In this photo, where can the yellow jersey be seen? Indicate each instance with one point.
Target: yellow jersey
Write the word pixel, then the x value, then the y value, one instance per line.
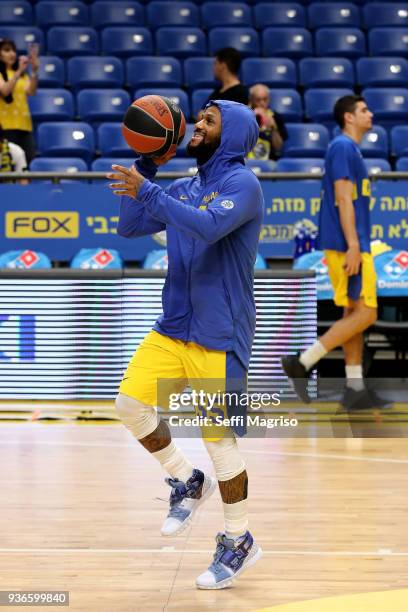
pixel 16 116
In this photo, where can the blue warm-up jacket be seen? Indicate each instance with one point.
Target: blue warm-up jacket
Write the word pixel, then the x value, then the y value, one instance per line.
pixel 212 222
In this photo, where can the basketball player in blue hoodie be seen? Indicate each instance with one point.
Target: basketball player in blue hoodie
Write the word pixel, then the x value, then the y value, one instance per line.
pixel 206 330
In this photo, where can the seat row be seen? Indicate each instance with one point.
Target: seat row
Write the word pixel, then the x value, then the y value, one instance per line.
pixel 156 14
pixel 389 105
pixel 197 72
pixel 72 165
pixel 183 42
pixel 79 139
pixel 249 2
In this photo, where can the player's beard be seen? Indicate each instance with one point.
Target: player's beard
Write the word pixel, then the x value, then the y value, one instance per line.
pixel 203 151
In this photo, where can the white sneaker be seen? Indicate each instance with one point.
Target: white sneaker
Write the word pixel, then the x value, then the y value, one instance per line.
pixel 231 558
pixel 185 498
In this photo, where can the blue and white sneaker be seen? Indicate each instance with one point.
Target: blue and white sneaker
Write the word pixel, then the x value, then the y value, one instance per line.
pixel 231 558
pixel 185 498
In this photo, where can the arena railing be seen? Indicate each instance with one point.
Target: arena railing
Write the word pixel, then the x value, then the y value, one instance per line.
pixel 277 176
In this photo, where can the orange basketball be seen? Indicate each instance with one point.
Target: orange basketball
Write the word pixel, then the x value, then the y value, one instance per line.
pixel 153 125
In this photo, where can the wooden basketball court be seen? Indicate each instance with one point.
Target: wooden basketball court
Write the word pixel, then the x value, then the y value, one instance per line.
pixel 80 512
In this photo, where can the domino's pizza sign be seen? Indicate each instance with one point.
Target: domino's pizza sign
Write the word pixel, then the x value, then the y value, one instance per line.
pixel 392 273
pixel 97 259
pixel 24 260
pixel 316 261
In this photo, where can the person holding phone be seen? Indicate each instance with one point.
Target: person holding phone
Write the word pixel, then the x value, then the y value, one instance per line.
pixel 15 86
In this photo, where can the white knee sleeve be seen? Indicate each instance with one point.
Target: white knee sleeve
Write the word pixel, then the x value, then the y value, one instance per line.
pixel 140 419
pixel 225 456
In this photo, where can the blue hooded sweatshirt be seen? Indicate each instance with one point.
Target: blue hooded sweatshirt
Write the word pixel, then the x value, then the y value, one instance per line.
pixel 213 221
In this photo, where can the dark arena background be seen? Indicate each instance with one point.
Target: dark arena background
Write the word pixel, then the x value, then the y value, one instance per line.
pixel 82 502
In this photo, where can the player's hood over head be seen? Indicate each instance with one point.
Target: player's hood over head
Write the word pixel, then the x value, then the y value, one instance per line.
pixel 239 134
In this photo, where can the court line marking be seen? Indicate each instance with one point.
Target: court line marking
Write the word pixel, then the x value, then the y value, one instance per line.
pixel 245 451
pixel 172 550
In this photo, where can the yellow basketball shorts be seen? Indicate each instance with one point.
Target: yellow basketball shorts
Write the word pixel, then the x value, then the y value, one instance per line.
pixel 360 286
pixel 162 367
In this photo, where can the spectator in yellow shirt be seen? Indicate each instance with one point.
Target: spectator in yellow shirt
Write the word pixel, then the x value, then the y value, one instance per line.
pixel 15 86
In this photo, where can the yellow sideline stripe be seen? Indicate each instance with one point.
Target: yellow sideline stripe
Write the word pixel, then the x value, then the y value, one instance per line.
pixel 397 601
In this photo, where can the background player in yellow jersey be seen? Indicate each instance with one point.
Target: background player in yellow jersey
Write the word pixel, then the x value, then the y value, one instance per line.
pixel 344 235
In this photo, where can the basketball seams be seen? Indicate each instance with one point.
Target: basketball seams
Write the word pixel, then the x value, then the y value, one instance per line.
pixel 144 143
pixel 131 116
pixel 143 125
pixel 154 117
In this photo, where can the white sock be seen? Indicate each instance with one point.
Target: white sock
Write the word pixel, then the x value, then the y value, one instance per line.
pixel 236 519
pixel 312 355
pixel 354 375
pixel 174 462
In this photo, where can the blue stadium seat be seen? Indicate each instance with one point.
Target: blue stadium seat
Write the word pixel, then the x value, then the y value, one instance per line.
pixel 289 14
pixel 68 13
pixel 340 42
pixel 15 12
pixel 260 165
pixel 287 42
pixel 389 105
pixel 174 13
pixel 104 164
pixel 301 164
pixel 256 2
pixel 67 41
pixel 306 140
pixel 182 147
pixel 274 72
pixel 221 14
pixel 102 104
pixel 181 164
pixel 326 72
pixel 58 164
pixel 66 139
pixel 385 14
pixel 23 36
pixel 153 72
pixel 52 72
pixel 181 42
pixel 376 165
pixel 399 140
pixel 95 71
pixel 125 41
pixel 341 14
pixel 117 13
pixel 111 142
pixel 375 142
pixel 198 72
pixel 178 96
pixel 382 72
pixel 319 103
pixel 287 102
pixel 198 99
pixel 402 164
pixel 245 40
pixel 52 105
pixel 388 41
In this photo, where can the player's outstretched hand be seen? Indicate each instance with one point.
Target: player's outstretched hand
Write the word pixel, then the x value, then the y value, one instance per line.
pixel 129 181
pixel 353 260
